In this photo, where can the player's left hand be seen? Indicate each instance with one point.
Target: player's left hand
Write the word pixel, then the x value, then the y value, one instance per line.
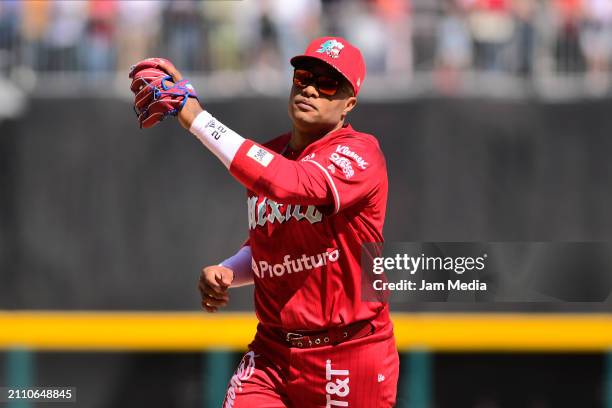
pixel 160 91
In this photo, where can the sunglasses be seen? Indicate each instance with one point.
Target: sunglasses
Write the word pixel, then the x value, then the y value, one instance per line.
pixel 325 84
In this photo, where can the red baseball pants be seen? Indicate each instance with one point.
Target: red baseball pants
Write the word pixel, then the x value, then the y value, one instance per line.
pixel 360 373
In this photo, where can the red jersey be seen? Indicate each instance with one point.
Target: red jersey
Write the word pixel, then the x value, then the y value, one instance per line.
pixel 309 213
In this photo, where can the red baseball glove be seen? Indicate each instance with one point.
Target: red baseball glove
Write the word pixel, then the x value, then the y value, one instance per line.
pixel 157 95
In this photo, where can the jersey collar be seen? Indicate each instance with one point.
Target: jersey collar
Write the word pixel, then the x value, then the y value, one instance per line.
pixel 346 129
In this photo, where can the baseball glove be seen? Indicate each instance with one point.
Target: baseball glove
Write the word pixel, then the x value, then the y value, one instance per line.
pixel 156 93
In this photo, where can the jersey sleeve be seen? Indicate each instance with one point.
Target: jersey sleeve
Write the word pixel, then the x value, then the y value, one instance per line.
pixel 337 175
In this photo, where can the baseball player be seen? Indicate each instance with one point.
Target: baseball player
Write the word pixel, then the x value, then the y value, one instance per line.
pixel 314 196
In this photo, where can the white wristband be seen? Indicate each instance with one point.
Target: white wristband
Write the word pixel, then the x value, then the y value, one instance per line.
pixel 240 264
pixel 218 138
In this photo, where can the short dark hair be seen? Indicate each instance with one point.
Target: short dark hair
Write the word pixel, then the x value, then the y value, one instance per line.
pixel 350 86
pixel 346 84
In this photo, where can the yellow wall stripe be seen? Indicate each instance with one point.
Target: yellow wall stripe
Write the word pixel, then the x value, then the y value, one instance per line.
pixel 185 331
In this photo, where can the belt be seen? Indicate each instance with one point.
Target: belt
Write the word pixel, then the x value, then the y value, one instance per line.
pixel 332 336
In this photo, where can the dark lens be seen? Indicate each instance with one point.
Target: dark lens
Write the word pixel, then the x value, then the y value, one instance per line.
pixel 302 78
pixel 327 85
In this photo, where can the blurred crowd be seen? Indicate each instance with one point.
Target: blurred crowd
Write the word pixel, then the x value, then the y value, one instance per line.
pixel 398 37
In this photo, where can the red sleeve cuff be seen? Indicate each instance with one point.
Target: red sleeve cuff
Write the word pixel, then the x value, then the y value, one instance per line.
pixel 250 163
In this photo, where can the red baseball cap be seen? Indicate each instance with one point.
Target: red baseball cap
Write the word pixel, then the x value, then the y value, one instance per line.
pixel 341 55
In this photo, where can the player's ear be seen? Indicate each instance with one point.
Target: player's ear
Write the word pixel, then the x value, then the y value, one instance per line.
pixel 349 105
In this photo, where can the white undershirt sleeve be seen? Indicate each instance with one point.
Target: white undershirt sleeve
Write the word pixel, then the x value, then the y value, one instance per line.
pixel 222 141
pixel 240 264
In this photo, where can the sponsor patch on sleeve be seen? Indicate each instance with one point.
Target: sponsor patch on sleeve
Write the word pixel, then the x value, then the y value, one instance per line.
pixel 260 155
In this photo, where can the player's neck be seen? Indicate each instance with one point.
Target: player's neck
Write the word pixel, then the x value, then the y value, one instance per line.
pixel 301 138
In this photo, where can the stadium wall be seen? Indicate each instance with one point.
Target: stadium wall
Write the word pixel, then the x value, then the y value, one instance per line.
pixel 97 214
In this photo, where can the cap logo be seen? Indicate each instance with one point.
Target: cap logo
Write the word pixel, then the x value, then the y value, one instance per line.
pixel 331 47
